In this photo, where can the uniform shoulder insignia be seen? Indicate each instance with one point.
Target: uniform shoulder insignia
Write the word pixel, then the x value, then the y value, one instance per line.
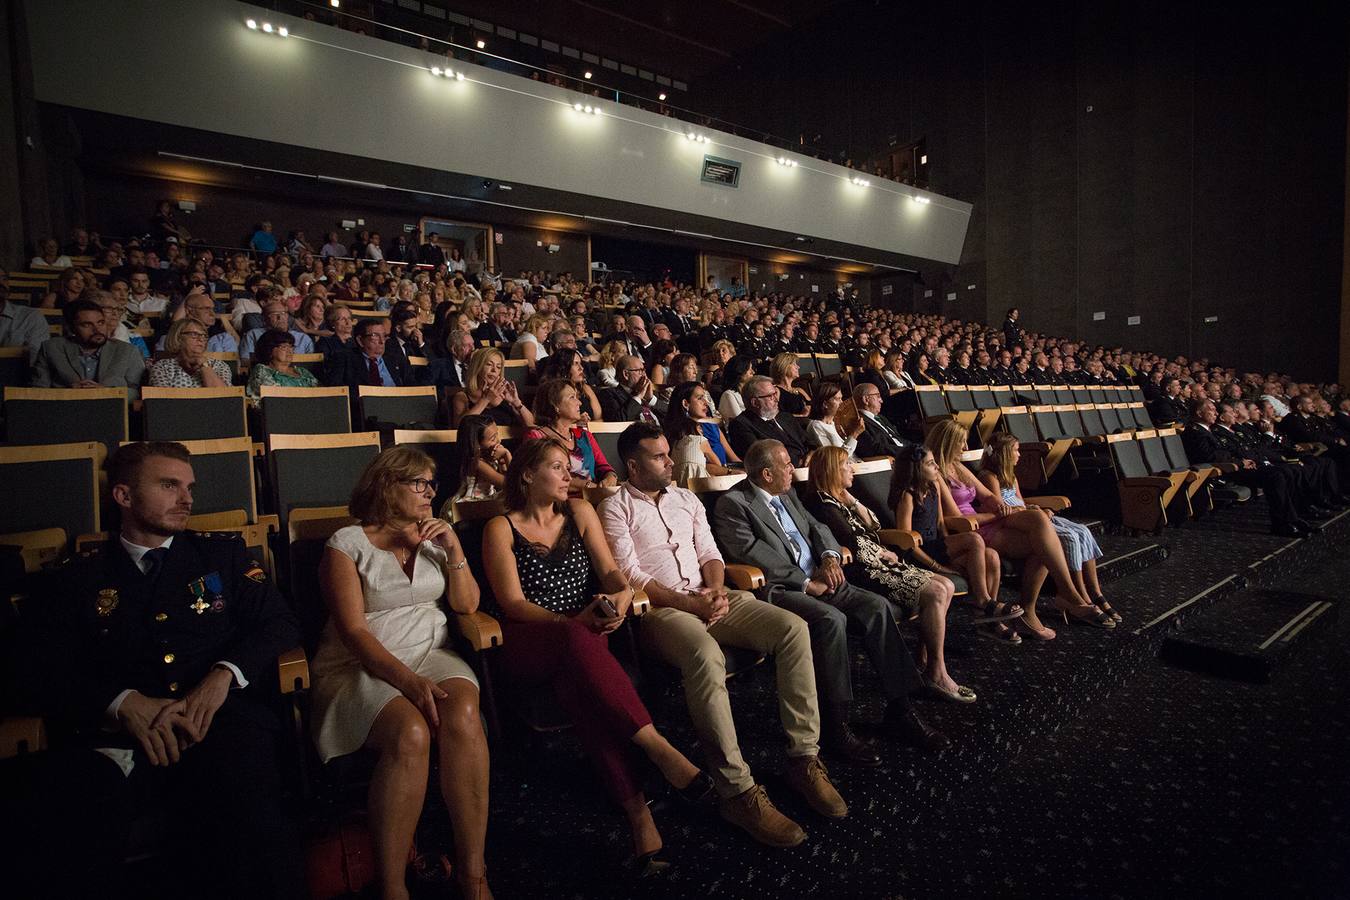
pixel 92 551
pixel 219 535
pixel 254 571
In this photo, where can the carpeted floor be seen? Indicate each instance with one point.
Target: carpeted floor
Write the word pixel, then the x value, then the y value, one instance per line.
pixel 1088 768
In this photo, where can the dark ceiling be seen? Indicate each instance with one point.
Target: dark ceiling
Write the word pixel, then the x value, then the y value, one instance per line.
pixel 685 40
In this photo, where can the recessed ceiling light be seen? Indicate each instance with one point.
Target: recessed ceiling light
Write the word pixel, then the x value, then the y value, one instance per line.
pixel 482 44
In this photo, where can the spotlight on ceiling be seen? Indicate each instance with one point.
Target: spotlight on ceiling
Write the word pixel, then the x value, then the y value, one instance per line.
pixel 661 96
pixel 267 27
pixel 284 31
pixel 860 181
pixel 586 109
pixel 923 200
pixel 481 44
pixel 785 162
pixel 690 136
pixel 587 76
pixel 335 3
pixel 437 71
pixel 252 24
pixel 459 76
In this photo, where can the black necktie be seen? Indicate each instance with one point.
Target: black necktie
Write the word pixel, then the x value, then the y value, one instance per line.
pixel 154 562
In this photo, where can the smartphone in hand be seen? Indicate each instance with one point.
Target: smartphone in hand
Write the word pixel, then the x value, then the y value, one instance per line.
pixel 605 609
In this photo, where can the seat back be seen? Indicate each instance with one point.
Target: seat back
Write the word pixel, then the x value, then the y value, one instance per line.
pixel 1069 423
pixel 442 445
pixel 1110 418
pixel 311 362
pixel 1063 395
pixel 1003 396
pixel 959 398
pixel 1127 456
pixel 13 366
pixel 396 405
pixel 1047 423
pixel 194 414
pixel 829 365
pixel 1044 394
pixel 1176 449
pixel 1133 394
pixel 312 470
pixel 711 488
pixel 932 402
pixel 1018 422
pixel 1136 413
pixel 983 397
pixel 516 371
pixel 1081 394
pixel 607 437
pixel 1098 395
pixel 806 363
pixel 872 487
pixel 62 415
pixel 51 486
pixel 1092 420
pixel 296 410
pixel 1155 455
pixel 223 471
pixel 308 530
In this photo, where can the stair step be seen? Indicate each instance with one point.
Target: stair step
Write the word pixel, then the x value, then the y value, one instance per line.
pixel 1251 635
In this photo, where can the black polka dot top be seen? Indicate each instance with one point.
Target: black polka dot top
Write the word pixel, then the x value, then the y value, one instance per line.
pixel 560 580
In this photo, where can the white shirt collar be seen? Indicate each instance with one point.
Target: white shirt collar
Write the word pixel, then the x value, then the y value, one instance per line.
pixel 137 552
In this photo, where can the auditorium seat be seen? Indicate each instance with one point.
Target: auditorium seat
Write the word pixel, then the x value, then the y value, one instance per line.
pixel 1144 497
pixel 309 470
pixel 386 407
pixel 297 410
pixel 13 366
pixel 442 446
pixel 51 486
pixel 62 415
pixel 311 362
pixel 607 437
pixel 193 414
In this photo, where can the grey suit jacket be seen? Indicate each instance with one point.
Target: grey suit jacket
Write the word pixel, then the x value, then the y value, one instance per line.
pixel 748 532
pixel 119 365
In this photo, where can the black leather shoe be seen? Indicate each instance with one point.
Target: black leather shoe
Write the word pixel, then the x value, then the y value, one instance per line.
pixel 904 723
pixel 1289 531
pixel 840 743
pixel 1318 512
pixel 1309 527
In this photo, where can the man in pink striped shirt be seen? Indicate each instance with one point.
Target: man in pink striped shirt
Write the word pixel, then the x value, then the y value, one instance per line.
pixel 661 541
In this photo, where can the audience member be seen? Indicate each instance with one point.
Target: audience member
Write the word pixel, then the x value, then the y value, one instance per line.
pixel 735 374
pixel 763 420
pixel 487 392
pixel 273 365
pixel 20 326
pixel 483 461
pixel 634 398
pixel 823 430
pixel 557 417
pixel 366 362
pixel 880 436
pixel 696 443
pixel 189 366
pixel 276 317
pixel 85 358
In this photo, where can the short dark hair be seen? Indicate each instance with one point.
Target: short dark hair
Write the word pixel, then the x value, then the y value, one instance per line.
pixel 546 399
pixel 124 466
pixel 365 323
pixel 75 307
pixel 268 341
pixel 402 315
pixel 630 440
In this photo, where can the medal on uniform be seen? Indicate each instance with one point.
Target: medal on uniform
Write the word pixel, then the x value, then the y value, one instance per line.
pixel 107 602
pixel 215 592
pixel 198 589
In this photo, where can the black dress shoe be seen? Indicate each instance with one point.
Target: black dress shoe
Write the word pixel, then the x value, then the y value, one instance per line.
pixel 840 743
pixel 1318 512
pixel 1289 531
pixel 1309 527
pixel 904 723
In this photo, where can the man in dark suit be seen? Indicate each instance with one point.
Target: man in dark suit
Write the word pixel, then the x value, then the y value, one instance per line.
pixel 762 420
pixel 154 657
pixel 1303 426
pixel 85 358
pixel 1168 407
pixel 683 327
pixel 431 253
pixel 639 344
pixel 634 399
pixel 367 362
pixel 1204 445
pixel 1012 331
pixel 451 370
pixel 497 330
pixel 761 522
pixel 880 436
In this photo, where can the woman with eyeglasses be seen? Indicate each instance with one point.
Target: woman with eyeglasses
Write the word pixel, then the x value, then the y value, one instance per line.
pixel 385 677
pixel 189 366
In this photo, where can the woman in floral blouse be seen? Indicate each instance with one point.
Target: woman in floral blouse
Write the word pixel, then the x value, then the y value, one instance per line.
pixel 272 365
pixel 189 365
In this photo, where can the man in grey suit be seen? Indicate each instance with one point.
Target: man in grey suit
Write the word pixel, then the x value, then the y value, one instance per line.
pixel 761 522
pixel 85 358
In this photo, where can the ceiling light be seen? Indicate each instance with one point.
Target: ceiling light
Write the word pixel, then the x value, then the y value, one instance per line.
pixel 588 73
pixel 284 31
pixel 590 109
pixel 860 181
pixel 923 160
pixel 252 23
pixel 482 44
pixel 335 3
pixel 689 135
pixel 785 162
pixel 661 96
pixel 267 27
pixel 459 76
pixel 577 107
pixel 436 70
pixel 924 200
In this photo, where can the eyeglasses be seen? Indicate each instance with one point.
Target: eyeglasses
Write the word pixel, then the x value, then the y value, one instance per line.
pixel 768 396
pixel 421 485
pixel 198 335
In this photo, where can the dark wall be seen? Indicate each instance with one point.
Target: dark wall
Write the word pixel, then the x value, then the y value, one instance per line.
pixel 1171 161
pixel 518 250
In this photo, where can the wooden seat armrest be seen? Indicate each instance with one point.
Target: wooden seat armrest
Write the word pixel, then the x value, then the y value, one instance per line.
pixel 1094 439
pixel 1055 502
pixel 642 604
pixel 960 524
pixel 22 734
pixel 1226 468
pixel 1147 481
pixel 271 522
pixel 1034 446
pixel 481 630
pixel 743 577
pixel 898 538
pixel 293 670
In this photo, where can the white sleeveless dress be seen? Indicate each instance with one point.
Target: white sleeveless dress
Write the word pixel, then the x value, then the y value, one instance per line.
pixel 406 617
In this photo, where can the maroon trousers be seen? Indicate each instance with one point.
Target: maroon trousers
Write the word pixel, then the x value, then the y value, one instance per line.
pixel 591 686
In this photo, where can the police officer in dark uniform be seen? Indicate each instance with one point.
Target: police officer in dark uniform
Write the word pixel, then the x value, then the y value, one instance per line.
pixel 153 656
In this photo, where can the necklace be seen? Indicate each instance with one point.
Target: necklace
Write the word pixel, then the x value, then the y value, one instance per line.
pixel 570 440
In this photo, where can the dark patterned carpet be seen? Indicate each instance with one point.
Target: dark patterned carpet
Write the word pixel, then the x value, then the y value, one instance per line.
pixel 1088 768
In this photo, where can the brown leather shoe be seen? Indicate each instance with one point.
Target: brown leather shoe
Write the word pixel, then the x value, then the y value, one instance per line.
pixel 756 814
pixel 808 777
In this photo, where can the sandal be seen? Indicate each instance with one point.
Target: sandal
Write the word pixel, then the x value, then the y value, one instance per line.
pixel 1085 615
pixel 993 611
pixel 648 865
pixel 700 791
pixel 999 632
pixel 1100 602
pixel 1043 634
pixel 962 694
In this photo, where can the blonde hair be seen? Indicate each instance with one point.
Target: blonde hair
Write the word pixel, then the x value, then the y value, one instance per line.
pixel 876 362
pixel 611 353
pixel 173 341
pixel 780 366
pixel 473 375
pixel 372 500
pixel 536 320
pixel 998 459
pixel 825 468
pixel 946 439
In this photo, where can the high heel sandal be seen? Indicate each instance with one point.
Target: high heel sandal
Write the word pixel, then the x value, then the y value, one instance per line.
pixel 1044 634
pixel 648 865
pixel 1099 601
pixel 700 791
pixel 1087 614
pixel 993 610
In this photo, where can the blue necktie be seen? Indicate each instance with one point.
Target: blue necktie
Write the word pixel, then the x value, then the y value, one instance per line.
pixel 804 561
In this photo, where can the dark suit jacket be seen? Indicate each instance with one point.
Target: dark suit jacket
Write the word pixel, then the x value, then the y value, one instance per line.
pixel 1165 409
pixel 1012 333
pixel 1202 446
pixel 876 441
pixel 618 405
pixel 119 365
pixel 432 256
pixel 488 332
pixel 1304 429
pixel 101 614
pixel 749 532
pixel 351 369
pixel 748 427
